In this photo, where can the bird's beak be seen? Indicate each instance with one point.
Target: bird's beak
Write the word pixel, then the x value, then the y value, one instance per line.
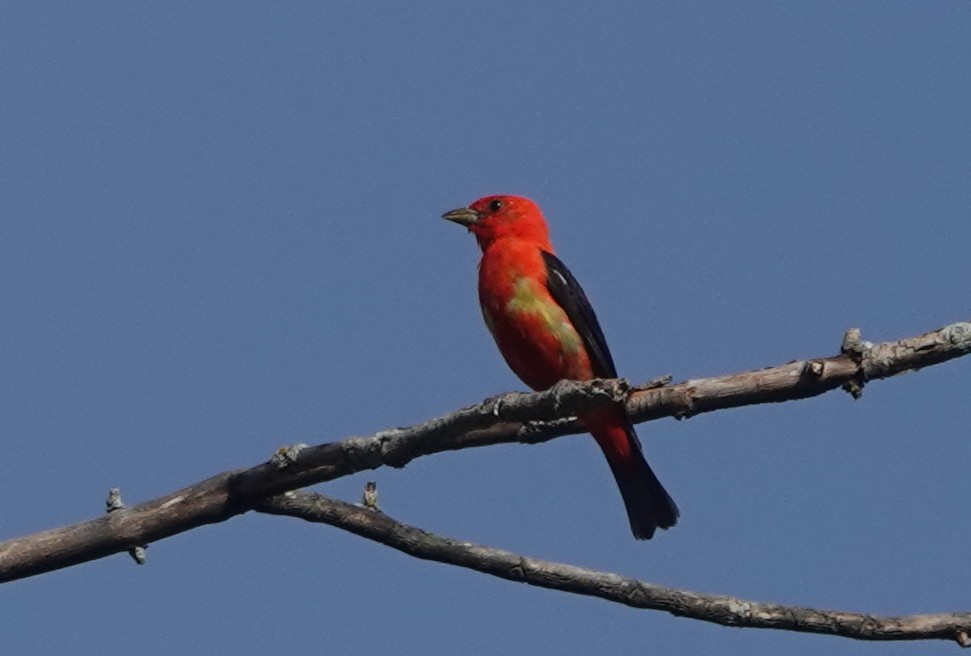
pixel 464 216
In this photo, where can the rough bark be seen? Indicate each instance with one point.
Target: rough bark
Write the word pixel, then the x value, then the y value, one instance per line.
pixel 717 609
pixel 525 418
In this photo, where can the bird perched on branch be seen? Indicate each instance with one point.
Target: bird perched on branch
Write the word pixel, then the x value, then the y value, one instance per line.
pixel 547 331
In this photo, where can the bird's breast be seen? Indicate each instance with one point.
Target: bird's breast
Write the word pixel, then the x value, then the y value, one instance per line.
pixel 532 331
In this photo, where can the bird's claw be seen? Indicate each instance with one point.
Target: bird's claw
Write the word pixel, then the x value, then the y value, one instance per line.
pixel 559 390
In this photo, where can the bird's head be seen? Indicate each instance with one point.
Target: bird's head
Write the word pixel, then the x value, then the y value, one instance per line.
pixel 500 217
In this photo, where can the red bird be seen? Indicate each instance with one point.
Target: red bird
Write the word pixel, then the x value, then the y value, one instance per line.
pixel 547 332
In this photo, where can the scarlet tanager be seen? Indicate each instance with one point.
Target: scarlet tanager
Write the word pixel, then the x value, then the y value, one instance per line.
pixel 547 332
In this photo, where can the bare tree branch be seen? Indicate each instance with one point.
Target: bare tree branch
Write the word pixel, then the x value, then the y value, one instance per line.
pixel 526 418
pixel 718 609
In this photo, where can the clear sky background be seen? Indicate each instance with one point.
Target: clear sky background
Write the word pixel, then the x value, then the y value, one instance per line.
pixel 220 234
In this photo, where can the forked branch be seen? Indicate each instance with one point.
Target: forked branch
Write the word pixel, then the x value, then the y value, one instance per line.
pixel 526 418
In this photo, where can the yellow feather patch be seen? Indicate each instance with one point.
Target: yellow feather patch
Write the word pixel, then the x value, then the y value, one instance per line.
pixel 529 298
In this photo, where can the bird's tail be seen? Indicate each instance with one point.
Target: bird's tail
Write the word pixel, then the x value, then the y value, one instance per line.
pixel 649 506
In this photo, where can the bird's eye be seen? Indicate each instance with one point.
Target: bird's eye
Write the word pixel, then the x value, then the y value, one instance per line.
pixel 495 205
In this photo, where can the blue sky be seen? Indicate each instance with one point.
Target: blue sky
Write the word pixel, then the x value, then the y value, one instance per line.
pixel 219 234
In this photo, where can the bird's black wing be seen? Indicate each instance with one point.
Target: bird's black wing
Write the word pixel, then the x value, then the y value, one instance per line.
pixel 649 506
pixel 566 291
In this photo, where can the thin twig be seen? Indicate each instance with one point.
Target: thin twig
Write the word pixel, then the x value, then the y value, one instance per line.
pixel 718 609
